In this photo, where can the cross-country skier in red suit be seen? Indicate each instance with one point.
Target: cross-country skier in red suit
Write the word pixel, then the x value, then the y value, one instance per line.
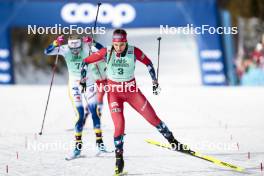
pixel 121 61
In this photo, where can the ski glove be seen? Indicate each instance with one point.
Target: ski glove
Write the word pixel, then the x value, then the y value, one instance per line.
pixel 156 88
pixel 87 39
pixel 83 85
pixel 58 41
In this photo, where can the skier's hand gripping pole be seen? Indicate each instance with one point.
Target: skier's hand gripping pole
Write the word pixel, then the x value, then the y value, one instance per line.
pixel 156 88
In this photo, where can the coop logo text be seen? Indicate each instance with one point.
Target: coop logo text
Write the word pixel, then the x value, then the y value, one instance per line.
pixel 117 15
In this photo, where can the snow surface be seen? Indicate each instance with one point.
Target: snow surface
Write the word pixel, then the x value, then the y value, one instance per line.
pixel 205 118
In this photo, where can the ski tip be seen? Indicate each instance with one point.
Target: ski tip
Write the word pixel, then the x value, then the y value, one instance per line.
pixel 240 169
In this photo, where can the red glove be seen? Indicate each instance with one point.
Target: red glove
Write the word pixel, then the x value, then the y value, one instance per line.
pixel 87 39
pixel 59 41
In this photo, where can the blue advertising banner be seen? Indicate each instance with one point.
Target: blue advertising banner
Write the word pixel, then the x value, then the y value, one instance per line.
pixel 130 14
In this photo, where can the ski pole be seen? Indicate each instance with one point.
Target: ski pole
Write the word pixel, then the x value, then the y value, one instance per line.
pixel 98 6
pixel 95 22
pixel 51 83
pixel 159 38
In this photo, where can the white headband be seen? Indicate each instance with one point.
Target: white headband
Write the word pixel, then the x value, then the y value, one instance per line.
pixel 76 43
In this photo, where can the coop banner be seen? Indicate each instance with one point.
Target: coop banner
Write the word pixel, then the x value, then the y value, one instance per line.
pixel 59 17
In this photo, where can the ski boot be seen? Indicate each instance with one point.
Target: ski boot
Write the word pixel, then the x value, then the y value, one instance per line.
pixel 78 148
pixel 76 152
pixel 175 145
pixel 99 140
pixel 100 145
pixel 119 165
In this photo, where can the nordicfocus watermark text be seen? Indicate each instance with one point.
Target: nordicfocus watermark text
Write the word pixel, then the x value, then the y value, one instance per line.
pixel 198 30
pixel 122 87
pixel 58 29
pixel 38 146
